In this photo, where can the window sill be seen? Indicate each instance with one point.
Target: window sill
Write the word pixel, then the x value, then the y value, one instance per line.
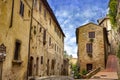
pixel 17 61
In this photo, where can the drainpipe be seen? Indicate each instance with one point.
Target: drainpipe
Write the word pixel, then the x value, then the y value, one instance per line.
pixel 29 40
pixel 12 12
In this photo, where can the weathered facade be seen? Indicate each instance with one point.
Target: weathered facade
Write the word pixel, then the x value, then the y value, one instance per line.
pixel 92 46
pixel 46 42
pixel 65 68
pixel 14 34
pixel 33 39
pixel 112 35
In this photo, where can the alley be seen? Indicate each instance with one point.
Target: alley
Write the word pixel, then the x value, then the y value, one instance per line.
pixel 111 69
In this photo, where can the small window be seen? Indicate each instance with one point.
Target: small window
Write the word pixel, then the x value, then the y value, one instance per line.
pixel 41 59
pixel 44 13
pixel 35 3
pixel 49 41
pixel 17 50
pixel 44 37
pixel 91 34
pixel 40 6
pixel 89 47
pixel 21 11
pixel 50 21
pixel 40 30
pixel 52 64
pixel 28 13
pixel 55 47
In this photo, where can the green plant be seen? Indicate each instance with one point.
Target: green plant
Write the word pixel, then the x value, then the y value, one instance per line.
pixel 75 69
pixel 113 12
pixel 84 72
pixel 91 40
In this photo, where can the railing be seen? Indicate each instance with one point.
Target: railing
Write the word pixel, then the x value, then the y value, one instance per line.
pixel 90 74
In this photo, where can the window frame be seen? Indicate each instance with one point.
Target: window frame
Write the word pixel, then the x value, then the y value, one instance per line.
pixel 89 47
pixel 17 50
pixel 91 34
pixel 21 10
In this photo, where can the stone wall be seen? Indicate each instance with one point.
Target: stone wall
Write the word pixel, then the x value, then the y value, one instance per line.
pixel 97 58
pixel 44 25
pixel 14 28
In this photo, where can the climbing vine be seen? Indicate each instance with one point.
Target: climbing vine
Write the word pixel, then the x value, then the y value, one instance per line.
pixel 113 12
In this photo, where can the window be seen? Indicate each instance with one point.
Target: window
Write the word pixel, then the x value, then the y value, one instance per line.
pixel 49 41
pixel 89 47
pixel 55 47
pixel 52 64
pixel 44 37
pixel 40 5
pixel 28 13
pixel 35 3
pixel 41 59
pixel 50 21
pixel 17 50
pixel 44 13
pixel 40 30
pixel 91 34
pixel 21 12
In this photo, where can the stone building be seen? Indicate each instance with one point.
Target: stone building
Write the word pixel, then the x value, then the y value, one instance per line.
pixel 112 35
pixel 34 45
pixel 14 34
pixel 92 46
pixel 46 42
pixel 65 68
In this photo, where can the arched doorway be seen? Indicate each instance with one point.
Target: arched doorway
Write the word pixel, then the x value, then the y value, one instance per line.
pixel 48 67
pixel 31 66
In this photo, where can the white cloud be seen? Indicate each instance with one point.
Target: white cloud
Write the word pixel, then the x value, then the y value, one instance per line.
pixel 70 17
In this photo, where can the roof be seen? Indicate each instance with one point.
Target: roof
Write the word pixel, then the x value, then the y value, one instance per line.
pixel 52 14
pixel 88 24
pixel 77 31
pixel 102 19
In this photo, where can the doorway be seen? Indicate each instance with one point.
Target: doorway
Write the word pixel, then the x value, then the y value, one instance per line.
pixel 48 67
pixel 31 66
pixel 1 64
pixel 89 67
pixel 37 65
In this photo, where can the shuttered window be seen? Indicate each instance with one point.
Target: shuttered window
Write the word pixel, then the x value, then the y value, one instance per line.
pixel 89 48
pixel 91 34
pixel 44 37
pixel 17 50
pixel 21 12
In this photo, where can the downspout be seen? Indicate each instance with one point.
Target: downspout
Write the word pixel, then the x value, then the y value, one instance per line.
pixel 29 40
pixel 12 12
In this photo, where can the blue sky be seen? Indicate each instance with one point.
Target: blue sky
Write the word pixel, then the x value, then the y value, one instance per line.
pixel 74 13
